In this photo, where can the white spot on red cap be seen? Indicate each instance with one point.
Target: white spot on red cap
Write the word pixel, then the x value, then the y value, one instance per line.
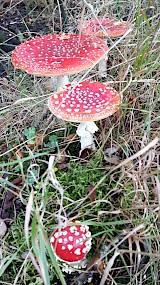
pixel 85 249
pixel 83 228
pixel 73 229
pixel 70 238
pixel 52 239
pixel 70 246
pixel 87 243
pixel 68 110
pixel 56 235
pixel 77 251
pixel 88 234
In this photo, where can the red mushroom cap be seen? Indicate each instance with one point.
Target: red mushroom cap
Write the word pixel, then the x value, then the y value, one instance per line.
pixel 84 101
pixel 101 27
pixel 54 55
pixel 71 243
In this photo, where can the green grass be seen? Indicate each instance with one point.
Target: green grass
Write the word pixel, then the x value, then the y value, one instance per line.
pixel 123 213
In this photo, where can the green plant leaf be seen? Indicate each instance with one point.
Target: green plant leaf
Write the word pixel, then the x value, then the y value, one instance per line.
pixel 30 134
pixel 32 175
pixel 53 143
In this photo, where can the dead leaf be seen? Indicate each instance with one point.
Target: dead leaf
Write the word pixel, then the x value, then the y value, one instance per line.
pixel 85 152
pixel 61 156
pixel 71 137
pixel 96 263
pixel 39 140
pixel 62 160
pixel 3 228
pixel 62 166
pixel 114 159
pixel 11 203
pixel 19 153
pixel 92 193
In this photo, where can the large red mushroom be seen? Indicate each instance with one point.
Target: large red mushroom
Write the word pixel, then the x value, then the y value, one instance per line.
pixel 58 55
pixel 85 102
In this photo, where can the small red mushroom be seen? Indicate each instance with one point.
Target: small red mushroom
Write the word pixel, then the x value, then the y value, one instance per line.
pixel 71 243
pixel 58 55
pixel 85 102
pixel 104 28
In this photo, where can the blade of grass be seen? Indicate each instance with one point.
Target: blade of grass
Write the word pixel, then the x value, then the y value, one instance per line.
pixel 42 257
pixel 55 263
pixel 138 18
pixel 26 229
pixel 40 244
pixel 12 257
pixel 23 159
pixel 52 256
pixel 4 266
pixel 4 181
pixel 108 267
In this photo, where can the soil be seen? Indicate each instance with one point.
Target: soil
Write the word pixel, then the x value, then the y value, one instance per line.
pixel 17 24
pixel 23 20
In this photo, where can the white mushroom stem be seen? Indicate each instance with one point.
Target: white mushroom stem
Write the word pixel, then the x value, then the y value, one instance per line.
pixel 102 67
pixel 62 80
pixel 85 131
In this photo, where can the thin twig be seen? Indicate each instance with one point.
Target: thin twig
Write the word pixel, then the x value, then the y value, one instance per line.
pixel 140 253
pixel 108 267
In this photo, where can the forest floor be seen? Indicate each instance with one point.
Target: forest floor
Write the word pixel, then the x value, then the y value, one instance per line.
pixel 115 190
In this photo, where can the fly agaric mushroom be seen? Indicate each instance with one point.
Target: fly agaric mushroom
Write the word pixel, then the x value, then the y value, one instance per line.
pixel 58 55
pixel 71 243
pixel 85 102
pixel 104 28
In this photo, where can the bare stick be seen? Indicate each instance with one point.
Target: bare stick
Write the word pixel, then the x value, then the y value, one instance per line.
pixel 108 267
